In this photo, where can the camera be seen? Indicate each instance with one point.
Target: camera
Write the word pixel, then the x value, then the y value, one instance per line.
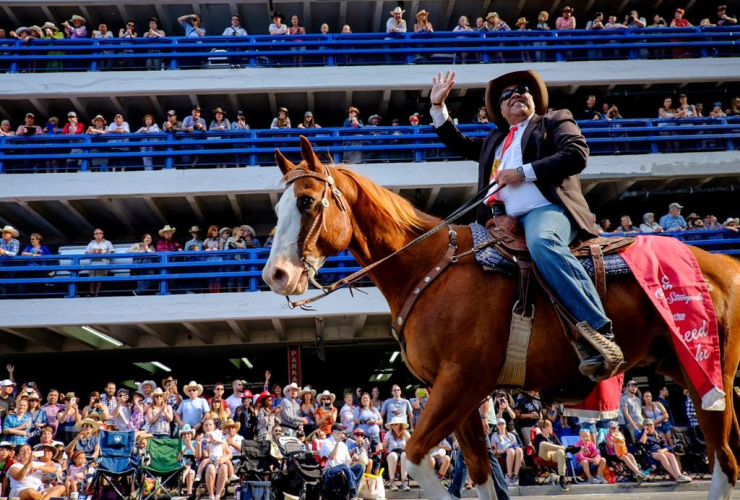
pixel 630 19
pixel 96 401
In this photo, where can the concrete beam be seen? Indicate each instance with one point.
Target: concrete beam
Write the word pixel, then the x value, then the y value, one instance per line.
pixel 121 333
pixel 195 207
pixel 377 16
pixel 152 204
pixel 158 332
pixel 11 15
pixel 279 326
pixel 358 78
pixel 199 331
pixel 386 102
pixel 235 206
pixel 433 195
pixel 36 215
pixel 12 342
pixel 77 215
pixel 37 336
pixel 79 108
pixel 446 18
pixel 342 13
pixel 239 330
pixel 123 218
pixel 358 323
pixel 157 106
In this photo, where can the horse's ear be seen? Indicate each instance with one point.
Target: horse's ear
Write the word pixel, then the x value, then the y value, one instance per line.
pixel 285 164
pixel 309 156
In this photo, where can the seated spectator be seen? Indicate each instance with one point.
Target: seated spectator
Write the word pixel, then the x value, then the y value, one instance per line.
pixel 27 474
pixel 215 456
pixel 717 110
pixel 99 245
pixel 463 24
pixel 548 447
pixel 236 27
pixel 625 226
pixel 29 128
pixel 5 128
pixel 566 21
pixel 86 440
pixel 689 110
pixel 191 24
pixel 9 245
pixel 673 220
pixel 195 243
pixel 396 23
pixel 658 22
pixel 338 460
pixel 194 122
pixel 730 224
pixel 308 121
pixel 616 445
pixel 77 29
pixel 241 122
pixel 588 456
pixel 656 450
pixel 167 244
pixel 528 410
pixel 649 225
pixel 422 24
pixel 505 444
pixel 394 443
pixel 281 120
pixel 481 116
pixel 734 109
pixel 219 122
pixel 149 127
pixel 172 124
pixel 723 19
pixel 597 23
pixel 277 27
pixel 440 458
pixel 250 237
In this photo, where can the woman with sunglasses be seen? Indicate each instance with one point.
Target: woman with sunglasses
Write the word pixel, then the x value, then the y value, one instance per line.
pixel 159 415
pixel 505 444
pixel 657 452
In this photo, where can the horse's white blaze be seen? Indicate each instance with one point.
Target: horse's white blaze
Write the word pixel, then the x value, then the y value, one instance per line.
pixel 720 488
pixel 427 479
pixel 284 254
pixel 486 491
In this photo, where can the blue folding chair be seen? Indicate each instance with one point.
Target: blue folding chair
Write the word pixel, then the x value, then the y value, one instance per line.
pixel 115 472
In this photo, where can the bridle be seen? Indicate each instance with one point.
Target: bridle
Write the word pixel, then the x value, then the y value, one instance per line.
pixel 319 222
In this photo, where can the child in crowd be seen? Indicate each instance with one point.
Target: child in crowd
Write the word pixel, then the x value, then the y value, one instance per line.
pixel 76 475
pixel 187 456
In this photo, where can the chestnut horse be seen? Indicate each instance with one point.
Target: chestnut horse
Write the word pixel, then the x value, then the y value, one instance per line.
pixel 457 332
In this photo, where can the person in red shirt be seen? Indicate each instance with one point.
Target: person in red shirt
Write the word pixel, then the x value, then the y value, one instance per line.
pixel 167 244
pixel 73 126
pixel 5 463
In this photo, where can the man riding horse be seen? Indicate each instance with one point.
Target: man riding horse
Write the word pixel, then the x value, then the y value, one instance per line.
pixel 535 159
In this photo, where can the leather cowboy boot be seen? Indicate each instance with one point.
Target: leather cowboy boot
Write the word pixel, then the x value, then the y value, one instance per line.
pixel 600 357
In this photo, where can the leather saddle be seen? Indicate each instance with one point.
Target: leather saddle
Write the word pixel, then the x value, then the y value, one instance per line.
pixel 507 236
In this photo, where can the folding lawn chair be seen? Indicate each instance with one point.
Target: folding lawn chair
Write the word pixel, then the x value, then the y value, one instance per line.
pixel 114 474
pixel 163 469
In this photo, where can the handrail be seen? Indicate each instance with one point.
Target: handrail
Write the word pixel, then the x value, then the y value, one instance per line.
pixel 178 272
pixel 367 48
pixel 256 147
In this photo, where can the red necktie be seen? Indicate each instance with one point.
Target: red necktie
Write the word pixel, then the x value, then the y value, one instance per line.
pixel 507 142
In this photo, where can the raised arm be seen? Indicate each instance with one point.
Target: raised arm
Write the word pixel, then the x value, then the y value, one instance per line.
pixel 467 147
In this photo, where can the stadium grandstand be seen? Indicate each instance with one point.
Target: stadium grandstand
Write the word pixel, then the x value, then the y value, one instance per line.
pixel 145 131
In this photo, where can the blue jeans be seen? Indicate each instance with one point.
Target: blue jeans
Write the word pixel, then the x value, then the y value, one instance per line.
pixel 354 476
pixel 499 483
pixel 549 230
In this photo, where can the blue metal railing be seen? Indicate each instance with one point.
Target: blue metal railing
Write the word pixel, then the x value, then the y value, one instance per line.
pixel 164 273
pixel 65 153
pixel 174 53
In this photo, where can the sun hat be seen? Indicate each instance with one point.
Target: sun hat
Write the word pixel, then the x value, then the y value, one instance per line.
pixel 195 385
pixel 33 395
pixel 692 216
pixel 290 387
pixel 399 421
pixel 31 115
pixel 224 230
pixel 337 427
pixel 729 221
pixel 648 421
pixel 631 382
pixel 285 110
pixel 305 390
pixel 308 113
pixel 150 383
pixel 397 10
pixel 500 421
pixel 41 446
pixel 230 423
pixel 246 227
pixel 186 429
pixel 326 393
pixel 142 435
pixel 352 108
pixel 22 29
pixel 6 444
pixel 491 14
pixel 422 12
pixel 78 18
pixel 88 421
pixel 167 228
pixel 8 382
pixel 530 78
pixel 263 395
pixel 218 110
pixel 14 232
pixel 172 112
pixel 374 117
pixel 675 205
pixel 158 392
pixel 522 21
pixel 99 117
pixel 49 24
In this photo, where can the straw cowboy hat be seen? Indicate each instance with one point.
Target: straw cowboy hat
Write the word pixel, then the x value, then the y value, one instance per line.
pixel 324 394
pixel 41 446
pixel 422 12
pixel 231 423
pixel 290 387
pixel 49 24
pixel 250 229
pixel 530 78
pixel 218 110
pixel 99 117
pixel 10 229
pixel 397 10
pixel 33 395
pixel 397 420
pixel 158 392
pixel 167 228
pixel 305 390
pixel 87 421
pixel 23 29
pixel 193 384
pixel 150 383
pixel 79 18
pixel 194 229
pixel 142 435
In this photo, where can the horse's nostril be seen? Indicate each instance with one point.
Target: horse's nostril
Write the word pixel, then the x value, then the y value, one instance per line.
pixel 279 275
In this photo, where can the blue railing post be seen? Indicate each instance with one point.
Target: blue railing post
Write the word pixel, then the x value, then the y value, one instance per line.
pixel 72 288
pixel 84 164
pixel 14 64
pixel 330 58
pixel 174 63
pixel 723 121
pixel 169 161
pixel 653 144
pixel 252 147
pixel 2 152
pixel 417 152
pixel 95 55
pixel 163 272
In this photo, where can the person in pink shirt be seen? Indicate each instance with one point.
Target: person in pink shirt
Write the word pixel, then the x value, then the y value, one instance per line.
pixel 588 456
pixel 566 21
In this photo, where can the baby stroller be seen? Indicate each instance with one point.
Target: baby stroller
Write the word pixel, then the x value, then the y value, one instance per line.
pixel 300 474
pixel 255 461
pixel 114 474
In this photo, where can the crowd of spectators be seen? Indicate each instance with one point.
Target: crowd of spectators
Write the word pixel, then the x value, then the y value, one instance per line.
pixel 670 222
pixel 374 431
pixel 192 25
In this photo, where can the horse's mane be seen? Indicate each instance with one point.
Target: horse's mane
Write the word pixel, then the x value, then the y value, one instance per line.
pixel 390 206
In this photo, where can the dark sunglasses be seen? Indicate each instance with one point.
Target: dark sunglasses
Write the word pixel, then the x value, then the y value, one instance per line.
pixel 506 94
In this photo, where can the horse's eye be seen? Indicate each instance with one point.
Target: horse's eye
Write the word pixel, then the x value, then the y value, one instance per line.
pixel 306 202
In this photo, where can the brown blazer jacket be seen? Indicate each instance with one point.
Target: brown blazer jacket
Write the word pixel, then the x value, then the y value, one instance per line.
pixel 555 147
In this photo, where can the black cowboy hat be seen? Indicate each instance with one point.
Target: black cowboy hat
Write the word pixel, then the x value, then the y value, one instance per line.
pixel 530 78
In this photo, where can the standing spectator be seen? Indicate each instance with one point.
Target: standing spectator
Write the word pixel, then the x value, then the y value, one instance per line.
pixel 673 220
pixel 236 27
pixel 611 112
pixel 481 116
pixel 658 22
pixel 192 410
pixel 155 33
pixel 655 411
pixel 144 246
pixel 281 120
pixel 649 225
pixel 29 128
pixel 246 415
pixel 296 29
pixel 7 401
pixel 480 25
pixel 235 400
pixel 308 408
pixel 102 33
pixel 326 412
pixel 277 27
pixel 108 398
pixel 224 235
pixel 68 417
pixel 414 120
pixel 353 121
pixel 324 30
pixel 625 226
pixel 98 126
pixel 159 415
pixel 463 24
pixel 5 129
pixel 121 414
pixel 691 413
pixel 119 126
pixel 723 19
pixel 679 21
pixel 172 124
pixel 9 245
pixel 566 21
pixel 590 112
pixel 52 409
pixel 77 29
pixel 266 416
pixel 528 411
pixel 99 245
pixel 688 110
pixel 290 411
pixel 369 420
pixel 17 424
pixel 347 413
pixel 241 122
pixel 127 33
pixel 397 406
pixel 396 23
pixel 195 243
pixel 194 123
pixel 542 19
pixel 191 24
pixel 167 244
pixel 250 237
pixel 422 23
pixel 734 109
pixel 308 121
pixel 219 122
pixel 631 406
pixel 149 127
pixel 693 220
pixel 597 23
pixel 418 403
